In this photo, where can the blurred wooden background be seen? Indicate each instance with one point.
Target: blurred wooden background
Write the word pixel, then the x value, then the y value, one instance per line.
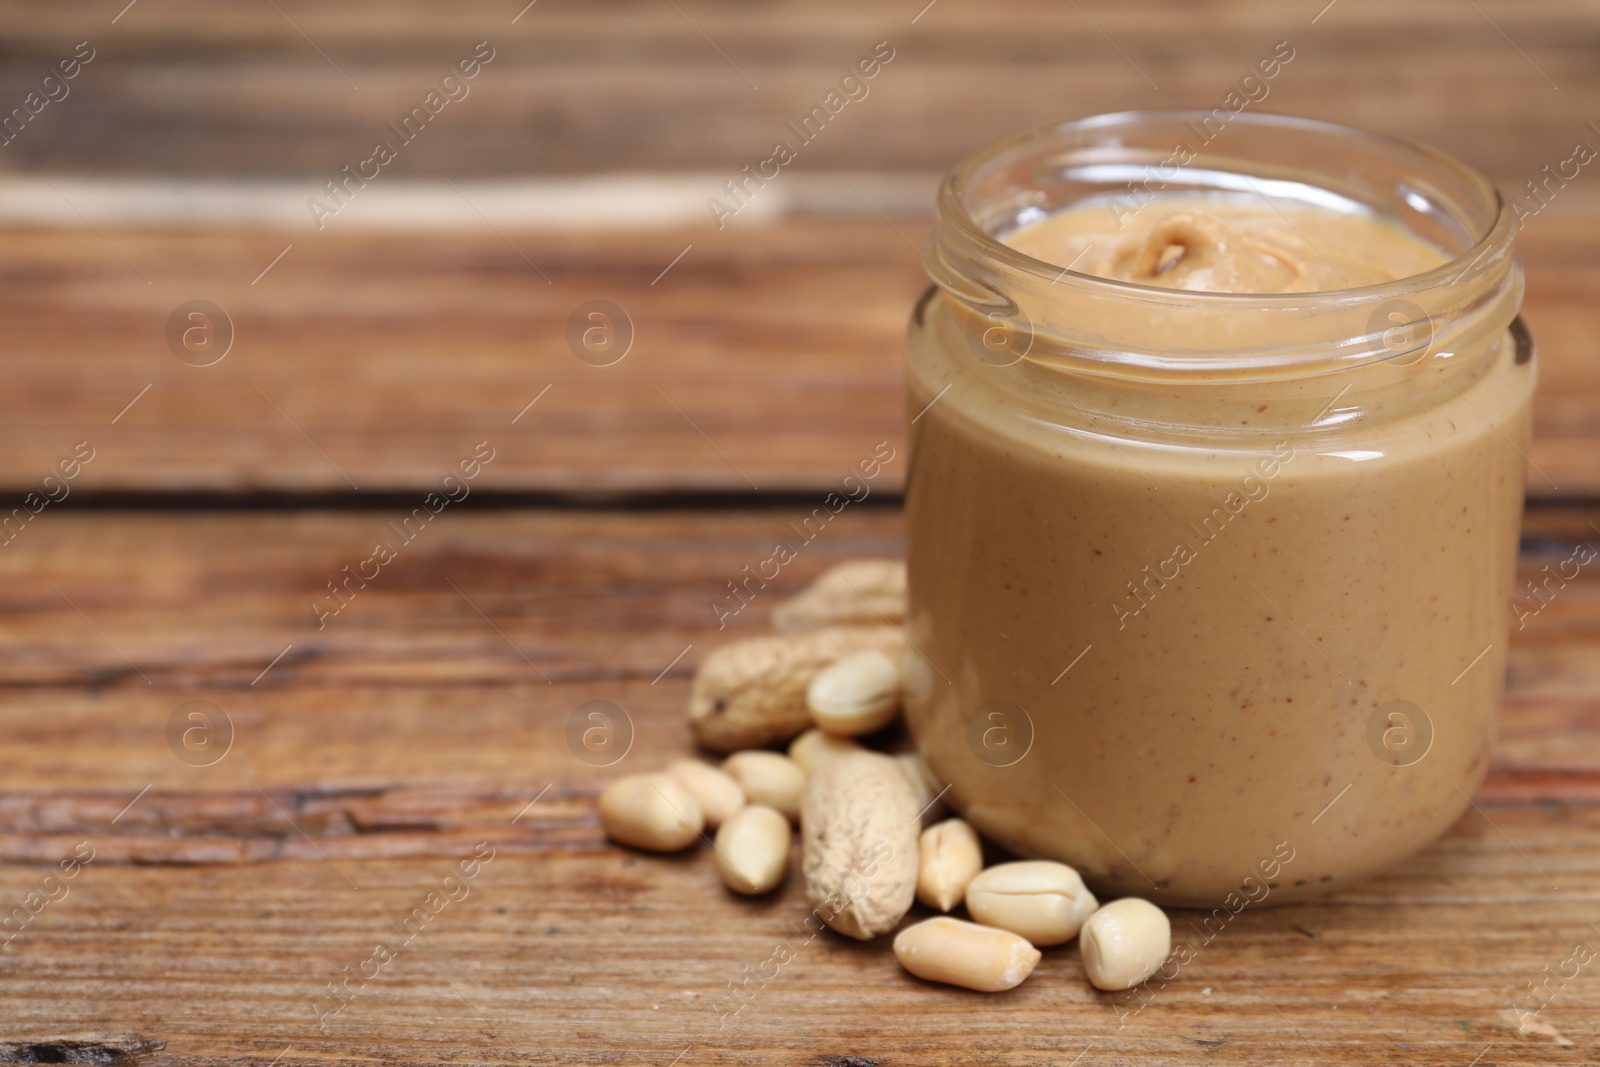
pixel 370 356
pixel 388 343
pixel 184 88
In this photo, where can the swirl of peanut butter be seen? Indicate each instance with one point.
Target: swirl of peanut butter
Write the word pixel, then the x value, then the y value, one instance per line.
pixel 1204 244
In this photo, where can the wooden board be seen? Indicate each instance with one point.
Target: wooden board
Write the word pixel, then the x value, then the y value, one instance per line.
pixel 427 720
pixel 183 87
pixel 380 750
pixel 766 358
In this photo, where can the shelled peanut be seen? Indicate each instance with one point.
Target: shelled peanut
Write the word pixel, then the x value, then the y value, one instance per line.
pixel 855 695
pixel 948 950
pixel 1043 901
pixel 812 749
pixel 651 811
pixel 1124 942
pixel 753 850
pixel 950 857
pixel 718 793
pixel 769 778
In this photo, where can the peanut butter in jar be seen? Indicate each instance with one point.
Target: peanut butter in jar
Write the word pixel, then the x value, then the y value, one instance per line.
pixel 1216 483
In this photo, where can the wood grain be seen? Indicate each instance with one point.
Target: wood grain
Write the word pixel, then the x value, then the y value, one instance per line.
pixel 427 720
pixel 185 87
pixel 767 360
pixel 606 957
pixel 383 749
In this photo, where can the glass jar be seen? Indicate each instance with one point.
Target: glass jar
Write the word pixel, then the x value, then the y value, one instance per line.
pixel 1209 592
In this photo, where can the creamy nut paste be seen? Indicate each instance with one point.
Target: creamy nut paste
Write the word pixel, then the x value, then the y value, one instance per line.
pixel 1200 639
pixel 1224 246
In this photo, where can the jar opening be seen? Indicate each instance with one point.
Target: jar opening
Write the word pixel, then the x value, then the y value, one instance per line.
pixel 1127 160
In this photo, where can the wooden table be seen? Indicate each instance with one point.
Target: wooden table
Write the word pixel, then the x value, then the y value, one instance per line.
pixel 426 721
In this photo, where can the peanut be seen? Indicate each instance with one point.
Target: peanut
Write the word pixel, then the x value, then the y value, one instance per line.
pixel 814 748
pixel 1124 942
pixel 652 811
pixel 856 695
pixel 856 592
pixel 753 850
pixel 751 693
pixel 718 794
pixel 928 789
pixel 960 953
pixel 949 856
pixel 769 778
pixel 1041 900
pixel 858 825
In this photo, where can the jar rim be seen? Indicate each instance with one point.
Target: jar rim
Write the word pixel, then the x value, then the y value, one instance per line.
pixel 1047 314
pixel 953 209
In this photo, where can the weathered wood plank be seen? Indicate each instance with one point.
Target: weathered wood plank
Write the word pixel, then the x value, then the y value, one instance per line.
pixel 482 597
pixel 761 359
pixel 607 957
pixel 193 88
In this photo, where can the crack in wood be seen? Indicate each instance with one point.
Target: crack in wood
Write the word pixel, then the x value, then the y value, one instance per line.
pixel 97 1052
pixel 244 826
